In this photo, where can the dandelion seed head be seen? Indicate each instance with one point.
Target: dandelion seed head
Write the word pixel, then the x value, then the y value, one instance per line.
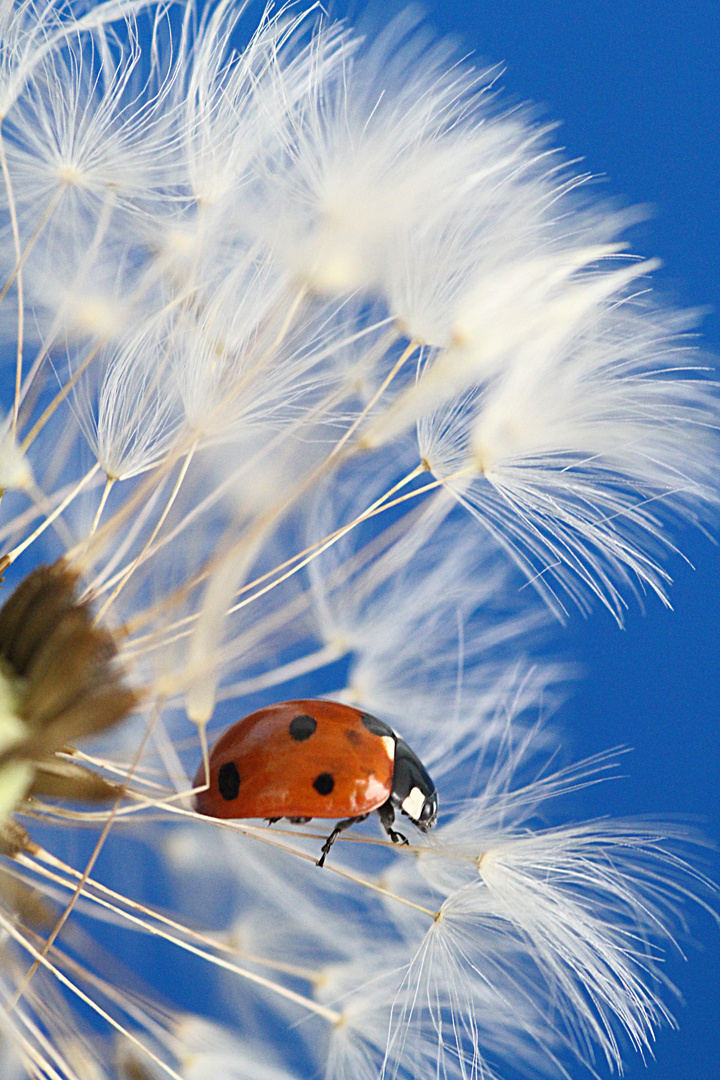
pixel 15 469
pixel 69 175
pixel 94 316
pixel 317 352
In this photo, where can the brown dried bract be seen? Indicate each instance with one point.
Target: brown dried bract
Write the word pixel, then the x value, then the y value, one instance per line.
pixel 71 685
pixel 129 1068
pixel 58 778
pixel 26 903
pixel 14 839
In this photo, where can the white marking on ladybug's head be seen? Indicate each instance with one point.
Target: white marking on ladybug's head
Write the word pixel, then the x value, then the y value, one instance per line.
pixel 389 744
pixel 413 803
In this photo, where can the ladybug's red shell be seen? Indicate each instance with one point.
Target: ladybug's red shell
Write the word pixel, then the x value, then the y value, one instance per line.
pixel 299 759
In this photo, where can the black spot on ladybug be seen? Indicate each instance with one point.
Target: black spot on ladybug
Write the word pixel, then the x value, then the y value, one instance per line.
pixel 324 783
pixel 375 726
pixel 302 727
pixel 353 736
pixel 228 781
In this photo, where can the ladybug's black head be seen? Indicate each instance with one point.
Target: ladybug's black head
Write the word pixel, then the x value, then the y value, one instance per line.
pixel 428 814
pixel 413 792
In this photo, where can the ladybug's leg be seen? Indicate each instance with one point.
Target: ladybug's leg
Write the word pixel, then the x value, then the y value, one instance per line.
pixel 340 827
pixel 386 813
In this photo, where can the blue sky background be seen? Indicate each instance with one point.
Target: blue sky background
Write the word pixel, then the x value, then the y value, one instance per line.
pixel 637 88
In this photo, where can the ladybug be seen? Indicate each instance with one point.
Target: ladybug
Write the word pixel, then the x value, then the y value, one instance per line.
pixel 316 759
